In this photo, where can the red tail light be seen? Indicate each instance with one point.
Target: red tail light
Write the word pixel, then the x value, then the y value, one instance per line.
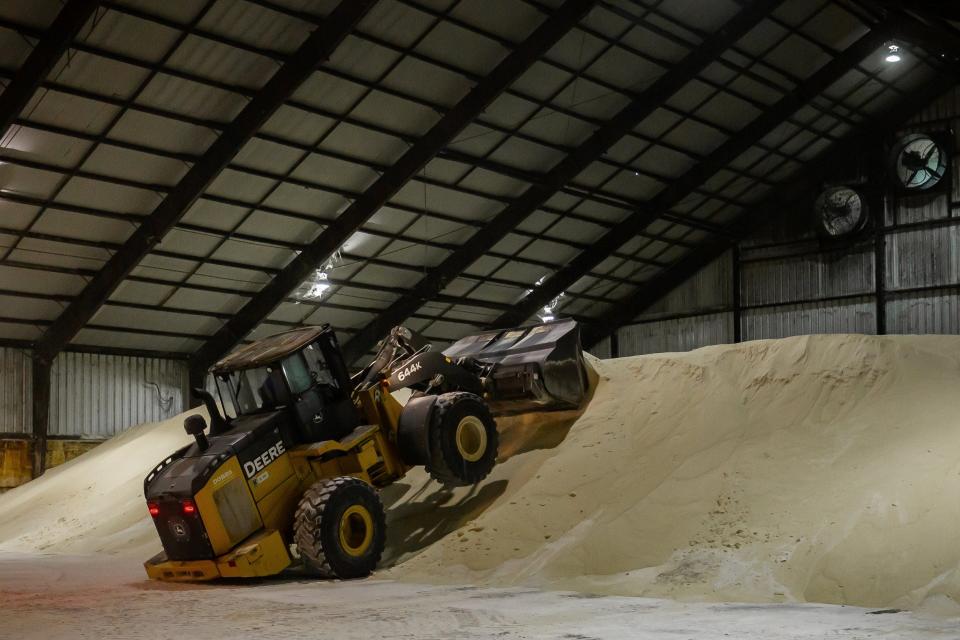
pixel 153 508
pixel 189 508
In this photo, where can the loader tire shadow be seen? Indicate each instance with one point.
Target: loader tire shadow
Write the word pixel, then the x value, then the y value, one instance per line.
pixel 428 516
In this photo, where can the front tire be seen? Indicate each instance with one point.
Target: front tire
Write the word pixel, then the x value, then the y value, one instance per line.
pixel 463 439
pixel 340 528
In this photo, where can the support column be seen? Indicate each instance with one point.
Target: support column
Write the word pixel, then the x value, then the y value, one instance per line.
pixel 735 257
pixel 198 380
pixel 41 414
pixel 880 265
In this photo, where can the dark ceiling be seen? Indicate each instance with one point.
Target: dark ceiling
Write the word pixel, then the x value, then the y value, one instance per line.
pixel 178 177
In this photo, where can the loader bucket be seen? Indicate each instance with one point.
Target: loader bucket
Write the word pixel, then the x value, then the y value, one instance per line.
pixel 529 368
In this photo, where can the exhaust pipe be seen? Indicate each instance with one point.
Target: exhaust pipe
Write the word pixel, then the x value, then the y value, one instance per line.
pixel 217 424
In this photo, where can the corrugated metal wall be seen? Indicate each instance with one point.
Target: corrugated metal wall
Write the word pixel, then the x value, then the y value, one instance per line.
pixel 601 349
pixel 695 314
pixel 676 334
pixel 923 257
pixel 709 290
pixel 858 316
pixel 806 277
pixel 16 399
pixel 935 312
pixel 97 396
pixel 790 284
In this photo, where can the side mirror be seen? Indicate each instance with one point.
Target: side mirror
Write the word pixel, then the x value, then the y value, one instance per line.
pixel 195 426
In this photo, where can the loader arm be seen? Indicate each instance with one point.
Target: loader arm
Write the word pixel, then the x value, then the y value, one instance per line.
pixel 533 368
pixel 398 345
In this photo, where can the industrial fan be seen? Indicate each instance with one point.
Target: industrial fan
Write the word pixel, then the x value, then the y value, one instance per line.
pixel 919 162
pixel 840 211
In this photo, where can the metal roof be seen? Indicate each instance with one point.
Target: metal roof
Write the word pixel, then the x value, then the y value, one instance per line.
pixel 145 90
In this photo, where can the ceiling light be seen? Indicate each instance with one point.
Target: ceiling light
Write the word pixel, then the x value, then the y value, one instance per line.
pixel 893 53
pixel 318 286
pixel 313 288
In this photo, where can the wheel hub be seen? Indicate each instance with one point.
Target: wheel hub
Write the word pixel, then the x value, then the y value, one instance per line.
pixel 356 530
pixel 471 438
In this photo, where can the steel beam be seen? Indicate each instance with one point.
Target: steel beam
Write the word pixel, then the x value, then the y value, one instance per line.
pixel 939 9
pixel 686 184
pixel 48 50
pixel 429 145
pixel 783 202
pixel 930 33
pixel 314 50
pixel 40 394
pixel 44 56
pixel 534 197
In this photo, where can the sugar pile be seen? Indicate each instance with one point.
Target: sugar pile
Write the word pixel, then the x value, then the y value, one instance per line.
pixel 820 468
pixel 93 503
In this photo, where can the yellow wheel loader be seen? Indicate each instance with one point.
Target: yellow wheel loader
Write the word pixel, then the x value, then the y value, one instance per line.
pixel 289 471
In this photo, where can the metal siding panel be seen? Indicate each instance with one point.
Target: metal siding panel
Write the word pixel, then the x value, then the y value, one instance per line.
pixel 98 396
pixel 806 277
pixel 16 369
pixel 602 349
pixel 945 108
pixel 955 174
pixel 919 209
pixel 852 316
pixel 920 313
pixel 709 289
pixel 676 334
pixel 798 246
pixel 923 257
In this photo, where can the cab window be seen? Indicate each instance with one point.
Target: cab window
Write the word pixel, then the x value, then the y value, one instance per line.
pixel 297 374
pixel 306 368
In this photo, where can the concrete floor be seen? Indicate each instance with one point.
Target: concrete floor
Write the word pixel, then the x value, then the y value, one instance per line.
pixel 53 597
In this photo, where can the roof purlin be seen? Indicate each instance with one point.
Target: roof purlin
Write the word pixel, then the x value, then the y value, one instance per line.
pixel 371 200
pixel 317 47
pixel 594 147
pixel 52 45
pixel 682 187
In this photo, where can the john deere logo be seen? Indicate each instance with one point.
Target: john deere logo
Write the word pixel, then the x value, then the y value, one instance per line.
pixel 179 529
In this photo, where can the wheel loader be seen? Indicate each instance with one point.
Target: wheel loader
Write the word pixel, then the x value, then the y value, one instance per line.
pixel 289 472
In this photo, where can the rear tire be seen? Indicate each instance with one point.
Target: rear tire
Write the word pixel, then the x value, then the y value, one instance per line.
pixel 340 528
pixel 463 439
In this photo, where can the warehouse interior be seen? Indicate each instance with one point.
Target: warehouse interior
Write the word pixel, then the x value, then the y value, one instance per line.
pixel 737 220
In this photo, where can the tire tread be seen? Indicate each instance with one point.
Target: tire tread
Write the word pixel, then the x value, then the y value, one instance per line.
pixel 309 516
pixel 438 468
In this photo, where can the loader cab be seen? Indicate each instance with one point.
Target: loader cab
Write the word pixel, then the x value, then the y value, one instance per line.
pixel 298 372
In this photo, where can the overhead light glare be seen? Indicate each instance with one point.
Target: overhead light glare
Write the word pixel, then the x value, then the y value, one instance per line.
pixel 313 288
pixel 315 292
pixel 546 313
pixel 893 53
